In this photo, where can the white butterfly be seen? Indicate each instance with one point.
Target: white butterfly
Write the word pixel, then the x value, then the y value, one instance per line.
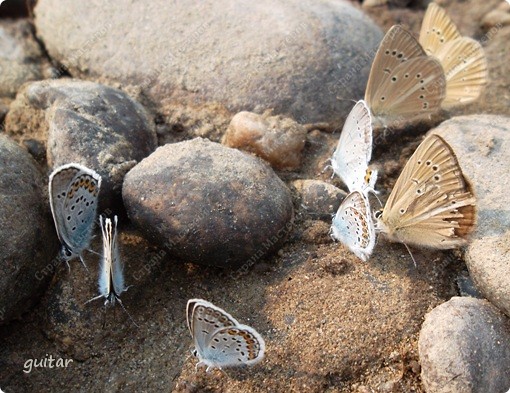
pixel 74 191
pixel 353 225
pixel 220 340
pixel 462 58
pixel 354 150
pixel 111 274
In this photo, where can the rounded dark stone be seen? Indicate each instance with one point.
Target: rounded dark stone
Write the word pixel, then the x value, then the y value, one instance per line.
pixel 209 204
pixel 27 238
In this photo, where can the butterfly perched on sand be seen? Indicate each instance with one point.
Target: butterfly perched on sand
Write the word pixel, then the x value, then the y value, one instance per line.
pixel 432 204
pixel 404 83
pixel 354 150
pixel 462 58
pixel 74 191
pixel 111 272
pixel 220 340
pixel 353 226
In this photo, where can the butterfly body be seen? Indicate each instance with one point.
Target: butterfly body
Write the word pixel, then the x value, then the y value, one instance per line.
pixel 353 226
pixel 432 204
pixel 111 277
pixel 219 339
pixel 73 191
pixel 111 272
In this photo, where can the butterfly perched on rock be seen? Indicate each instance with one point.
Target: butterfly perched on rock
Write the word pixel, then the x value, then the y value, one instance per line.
pixel 74 191
pixel 432 204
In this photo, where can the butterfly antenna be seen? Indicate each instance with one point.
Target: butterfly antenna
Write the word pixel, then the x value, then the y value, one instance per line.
pixel 84 265
pixel 94 298
pixel 129 315
pixel 374 193
pixel 94 252
pixel 410 253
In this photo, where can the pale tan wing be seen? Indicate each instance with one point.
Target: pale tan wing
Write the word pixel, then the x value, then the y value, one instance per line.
pixel 397 47
pixel 432 204
pixel 436 29
pixel 465 67
pixel 412 89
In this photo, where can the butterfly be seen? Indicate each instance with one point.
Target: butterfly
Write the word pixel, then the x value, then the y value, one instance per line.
pixel 432 204
pixel 74 191
pixel 353 226
pixel 111 273
pixel 404 83
pixel 220 340
pixel 354 150
pixel 462 58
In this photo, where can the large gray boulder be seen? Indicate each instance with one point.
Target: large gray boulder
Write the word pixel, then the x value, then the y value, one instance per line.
pixel 306 59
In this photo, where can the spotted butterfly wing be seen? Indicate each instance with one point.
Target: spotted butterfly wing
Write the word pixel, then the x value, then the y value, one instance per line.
pixel 234 346
pixel 404 83
pixel 354 150
pixel 220 340
pixel 432 204
pixel 436 29
pixel 353 226
pixel 209 317
pixel 74 191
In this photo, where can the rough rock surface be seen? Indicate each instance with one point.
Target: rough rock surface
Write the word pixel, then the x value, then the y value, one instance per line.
pixel 20 57
pixel 84 122
pixel 299 58
pixel 209 204
pixel 464 347
pixel 278 140
pixel 319 198
pixel 482 145
pixel 28 246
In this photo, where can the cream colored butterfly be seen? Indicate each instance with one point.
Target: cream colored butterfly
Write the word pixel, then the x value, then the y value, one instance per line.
pixel 462 58
pixel 432 204
pixel 404 82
